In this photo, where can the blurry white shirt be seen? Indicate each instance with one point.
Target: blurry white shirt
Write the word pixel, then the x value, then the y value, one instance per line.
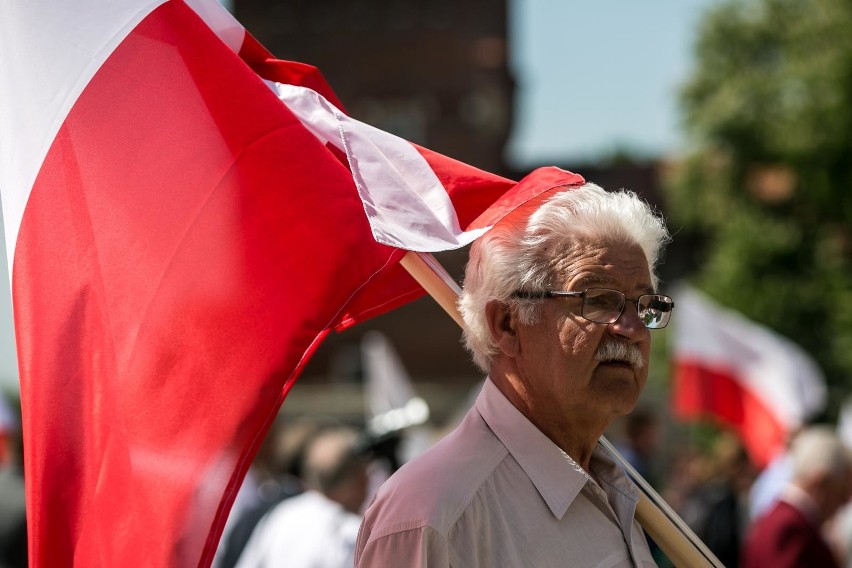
pixel 306 531
pixel 497 492
pixel 768 486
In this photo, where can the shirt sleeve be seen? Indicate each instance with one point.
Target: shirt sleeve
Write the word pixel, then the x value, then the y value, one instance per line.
pixel 418 547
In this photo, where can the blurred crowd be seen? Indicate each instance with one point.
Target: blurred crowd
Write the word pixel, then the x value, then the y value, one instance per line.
pixel 793 512
pixel 13 526
pixel 303 497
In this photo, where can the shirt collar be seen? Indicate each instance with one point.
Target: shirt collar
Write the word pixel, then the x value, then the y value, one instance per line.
pixel 557 479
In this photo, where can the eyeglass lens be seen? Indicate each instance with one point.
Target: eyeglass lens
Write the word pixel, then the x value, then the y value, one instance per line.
pixel 605 306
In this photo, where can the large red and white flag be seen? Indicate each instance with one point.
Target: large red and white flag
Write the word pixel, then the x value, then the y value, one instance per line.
pixel 742 374
pixel 185 221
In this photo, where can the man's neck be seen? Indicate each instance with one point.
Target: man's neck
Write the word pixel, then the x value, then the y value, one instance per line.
pixel 576 434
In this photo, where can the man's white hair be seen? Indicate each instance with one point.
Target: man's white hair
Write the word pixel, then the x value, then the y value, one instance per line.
pixel 817 451
pixel 524 251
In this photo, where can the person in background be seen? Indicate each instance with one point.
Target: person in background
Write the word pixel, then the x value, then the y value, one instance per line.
pixel 642 433
pixel 725 500
pixel 642 436
pixel 13 513
pixel 790 535
pixel 318 528
pixel 275 475
pixel 560 300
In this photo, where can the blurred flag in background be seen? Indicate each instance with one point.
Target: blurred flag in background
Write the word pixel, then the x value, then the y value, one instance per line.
pixel 741 374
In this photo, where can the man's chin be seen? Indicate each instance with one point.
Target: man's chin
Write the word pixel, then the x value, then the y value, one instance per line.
pixel 620 386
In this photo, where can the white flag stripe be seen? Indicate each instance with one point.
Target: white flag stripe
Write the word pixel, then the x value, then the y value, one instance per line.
pixel 386 382
pixel 221 21
pixel 74 39
pixel 404 200
pixel 771 367
pixel 79 36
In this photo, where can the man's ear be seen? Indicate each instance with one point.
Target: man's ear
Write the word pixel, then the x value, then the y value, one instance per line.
pixel 502 325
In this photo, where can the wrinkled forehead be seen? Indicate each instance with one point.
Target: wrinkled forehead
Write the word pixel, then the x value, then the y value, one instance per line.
pixel 594 262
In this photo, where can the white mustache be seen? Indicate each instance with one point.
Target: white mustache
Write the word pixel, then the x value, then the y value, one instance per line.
pixel 618 350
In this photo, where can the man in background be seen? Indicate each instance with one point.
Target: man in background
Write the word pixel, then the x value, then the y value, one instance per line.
pixel 318 528
pixel 790 535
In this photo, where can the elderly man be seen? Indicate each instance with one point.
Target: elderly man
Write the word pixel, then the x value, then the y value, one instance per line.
pixel 559 300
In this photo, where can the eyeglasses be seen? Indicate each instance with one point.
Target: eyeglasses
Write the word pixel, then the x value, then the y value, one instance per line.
pixel 602 305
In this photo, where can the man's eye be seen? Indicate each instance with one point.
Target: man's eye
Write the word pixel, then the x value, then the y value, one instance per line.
pixel 602 302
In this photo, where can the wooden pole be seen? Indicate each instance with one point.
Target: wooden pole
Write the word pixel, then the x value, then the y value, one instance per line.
pixel 667 529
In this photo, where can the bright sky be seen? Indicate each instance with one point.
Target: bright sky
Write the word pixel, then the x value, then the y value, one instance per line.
pixel 598 76
pixel 593 76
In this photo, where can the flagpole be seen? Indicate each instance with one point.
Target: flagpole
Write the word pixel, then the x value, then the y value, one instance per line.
pixel 668 530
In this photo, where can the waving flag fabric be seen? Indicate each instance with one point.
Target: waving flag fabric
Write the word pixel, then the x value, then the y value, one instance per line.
pixel 742 374
pixel 179 243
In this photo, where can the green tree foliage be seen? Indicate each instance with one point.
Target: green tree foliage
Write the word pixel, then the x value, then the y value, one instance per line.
pixel 767 190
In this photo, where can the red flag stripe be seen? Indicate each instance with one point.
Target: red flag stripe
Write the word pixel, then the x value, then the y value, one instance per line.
pixel 186 245
pixel 155 276
pixel 715 394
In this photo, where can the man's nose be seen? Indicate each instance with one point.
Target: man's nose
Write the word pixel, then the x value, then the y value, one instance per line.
pixel 628 325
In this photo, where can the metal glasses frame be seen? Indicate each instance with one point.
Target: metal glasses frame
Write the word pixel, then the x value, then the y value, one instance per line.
pixel 666 301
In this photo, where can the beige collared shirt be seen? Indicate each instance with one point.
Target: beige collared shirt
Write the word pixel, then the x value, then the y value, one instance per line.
pixel 496 492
